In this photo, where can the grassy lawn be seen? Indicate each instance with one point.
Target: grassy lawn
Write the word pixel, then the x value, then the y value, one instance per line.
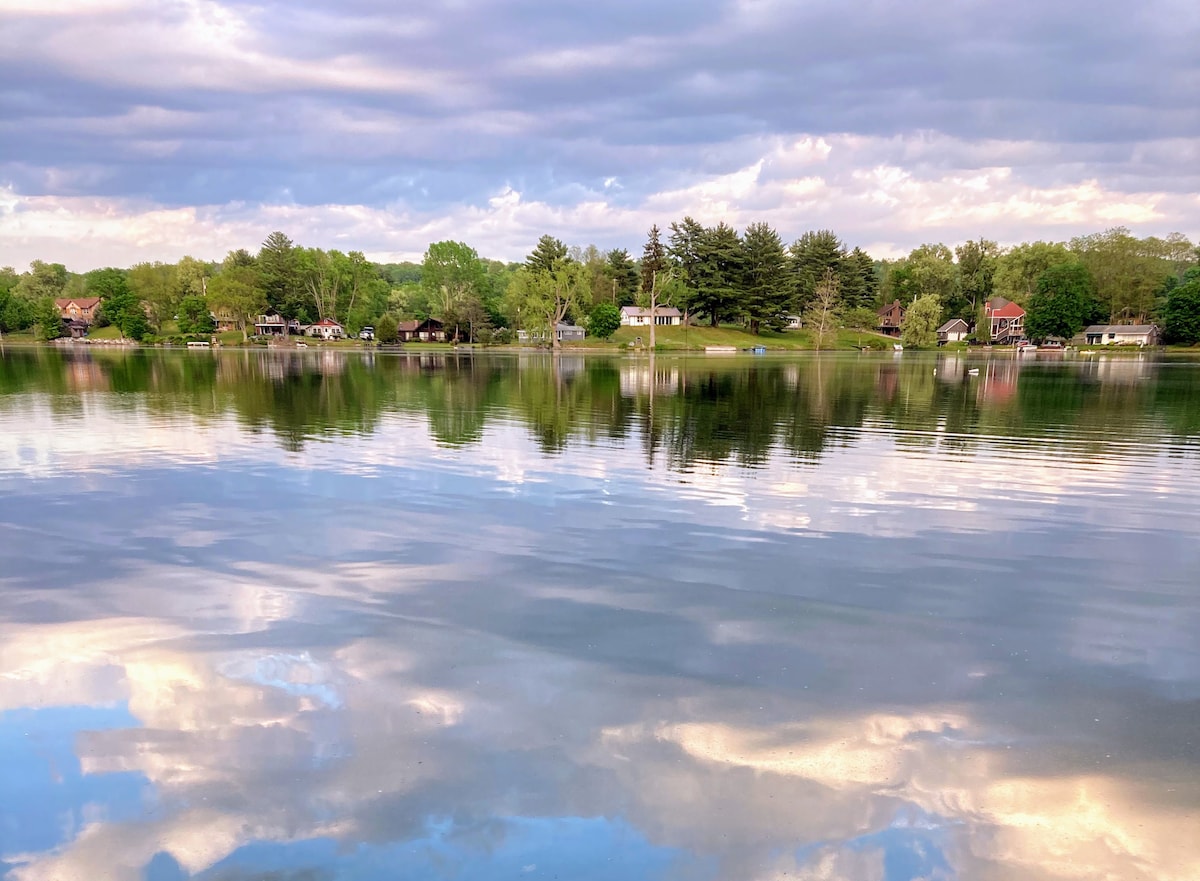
pixel 698 338
pixel 104 333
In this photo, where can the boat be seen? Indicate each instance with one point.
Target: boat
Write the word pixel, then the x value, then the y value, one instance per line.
pixel 974 371
pixel 897 347
pixel 758 350
pixel 720 350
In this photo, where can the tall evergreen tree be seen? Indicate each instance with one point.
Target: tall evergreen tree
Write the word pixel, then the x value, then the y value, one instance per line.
pixel 684 252
pixel 812 254
pixel 548 255
pixel 719 275
pixel 279 268
pixel 623 272
pixel 767 284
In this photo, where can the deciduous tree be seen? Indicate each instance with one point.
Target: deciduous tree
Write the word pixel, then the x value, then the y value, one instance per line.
pixel 1063 301
pixel 921 321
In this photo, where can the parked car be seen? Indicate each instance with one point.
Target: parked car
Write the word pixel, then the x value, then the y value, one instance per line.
pixel 367 333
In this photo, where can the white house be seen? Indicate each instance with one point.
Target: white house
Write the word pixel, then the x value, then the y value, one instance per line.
pixel 636 316
pixel 794 322
pixel 327 329
pixel 1122 335
pixel 953 331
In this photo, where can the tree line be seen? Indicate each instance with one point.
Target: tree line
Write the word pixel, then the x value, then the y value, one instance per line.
pixel 713 274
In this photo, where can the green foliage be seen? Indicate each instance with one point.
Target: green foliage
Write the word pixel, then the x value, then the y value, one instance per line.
pixel 624 272
pixel 122 308
pixel 604 321
pixel 977 263
pixel 767 283
pixel 921 321
pixel 386 330
pixel 1181 316
pixel 1017 270
pixel 654 259
pixel 1062 303
pixel 684 253
pixel 1128 272
pixel 542 299
pixel 718 276
pixel 455 282
pixel 861 318
pixel 235 295
pixel 156 285
pixel 548 255
pixel 42 280
pixel 932 273
pixel 813 255
pixel 280 279
pixel 48 319
pixel 859 282
pixel 823 315
pixel 194 317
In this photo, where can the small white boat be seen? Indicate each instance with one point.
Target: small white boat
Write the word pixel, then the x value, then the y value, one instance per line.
pixel 974 371
pixel 897 347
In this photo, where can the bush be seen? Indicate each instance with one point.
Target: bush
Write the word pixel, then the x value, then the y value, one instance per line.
pixel 387 330
pixel 604 321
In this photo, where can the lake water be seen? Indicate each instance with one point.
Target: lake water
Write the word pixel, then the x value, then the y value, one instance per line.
pixel 326 615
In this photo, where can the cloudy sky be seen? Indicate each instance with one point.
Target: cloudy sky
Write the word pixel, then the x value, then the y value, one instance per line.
pixel 147 129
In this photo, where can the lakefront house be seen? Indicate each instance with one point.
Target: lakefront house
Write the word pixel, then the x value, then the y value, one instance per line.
pixel 664 316
pixel 891 317
pixel 81 309
pixel 1121 335
pixel 1007 320
pixel 953 331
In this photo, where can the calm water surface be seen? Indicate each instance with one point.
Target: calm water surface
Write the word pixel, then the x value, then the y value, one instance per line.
pixel 329 616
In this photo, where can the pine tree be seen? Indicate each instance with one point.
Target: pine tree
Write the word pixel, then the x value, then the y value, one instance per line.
pixel 719 275
pixel 684 252
pixel 279 267
pixel 624 273
pixel 767 292
pixel 547 256
pixel 812 254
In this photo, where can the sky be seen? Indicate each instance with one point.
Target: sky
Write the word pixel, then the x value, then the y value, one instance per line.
pixel 149 129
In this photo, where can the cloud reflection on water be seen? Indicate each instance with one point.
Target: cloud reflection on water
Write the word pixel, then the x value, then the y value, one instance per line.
pixel 881 665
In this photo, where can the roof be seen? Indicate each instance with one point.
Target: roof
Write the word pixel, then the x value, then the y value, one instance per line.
pixel 884 310
pixel 326 322
pixel 81 302
pixel 1002 308
pixel 952 325
pixel 1122 328
pixel 562 326
pixel 411 324
pixel 639 312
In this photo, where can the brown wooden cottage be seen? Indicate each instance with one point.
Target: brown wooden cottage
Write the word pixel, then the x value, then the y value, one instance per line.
pixel 890 319
pixel 428 331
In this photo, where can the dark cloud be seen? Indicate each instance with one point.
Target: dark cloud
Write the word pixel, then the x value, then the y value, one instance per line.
pixel 316 103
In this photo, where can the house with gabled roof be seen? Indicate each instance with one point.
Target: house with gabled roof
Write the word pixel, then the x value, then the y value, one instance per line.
pixel 890 318
pixel 1007 320
pixel 664 316
pixel 1121 335
pixel 78 308
pixel 953 331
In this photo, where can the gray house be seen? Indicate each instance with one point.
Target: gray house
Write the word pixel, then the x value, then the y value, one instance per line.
pixel 953 331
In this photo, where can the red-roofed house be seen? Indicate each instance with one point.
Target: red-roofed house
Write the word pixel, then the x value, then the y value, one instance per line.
pixel 327 329
pixel 1007 320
